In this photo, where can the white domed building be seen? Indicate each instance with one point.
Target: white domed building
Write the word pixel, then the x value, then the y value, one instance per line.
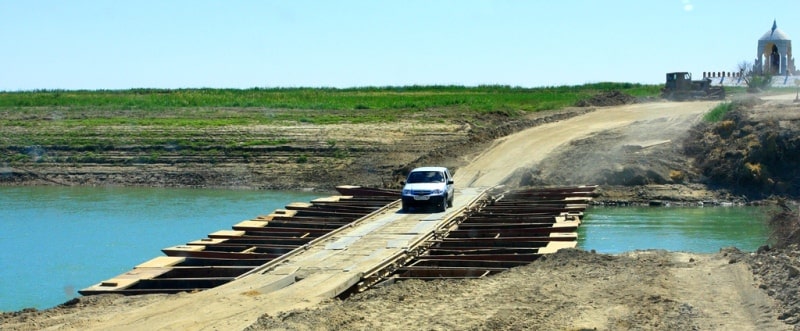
pixel 775 53
pixel 773 57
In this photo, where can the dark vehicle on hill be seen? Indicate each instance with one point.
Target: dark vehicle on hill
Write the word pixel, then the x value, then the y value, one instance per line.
pixel 681 87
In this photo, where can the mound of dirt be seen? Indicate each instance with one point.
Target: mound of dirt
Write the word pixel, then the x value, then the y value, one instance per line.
pixel 523 298
pixel 752 151
pixel 605 99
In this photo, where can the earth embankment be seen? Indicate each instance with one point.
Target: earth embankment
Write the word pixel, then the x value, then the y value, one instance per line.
pixel 752 150
pixel 300 156
pixel 643 125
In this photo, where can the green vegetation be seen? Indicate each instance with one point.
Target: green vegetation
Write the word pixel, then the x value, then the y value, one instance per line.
pixel 482 98
pixel 86 125
pixel 716 114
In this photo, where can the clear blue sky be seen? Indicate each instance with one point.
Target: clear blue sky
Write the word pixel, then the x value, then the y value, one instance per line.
pixel 241 44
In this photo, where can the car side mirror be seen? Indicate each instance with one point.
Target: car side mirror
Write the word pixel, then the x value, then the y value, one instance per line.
pixel 450 182
pixel 402 182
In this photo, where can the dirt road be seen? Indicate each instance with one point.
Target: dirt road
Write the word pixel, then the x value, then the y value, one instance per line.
pixel 570 290
pixel 528 147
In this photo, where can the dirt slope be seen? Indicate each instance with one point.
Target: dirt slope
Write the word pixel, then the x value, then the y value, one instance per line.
pixel 524 149
pixel 569 290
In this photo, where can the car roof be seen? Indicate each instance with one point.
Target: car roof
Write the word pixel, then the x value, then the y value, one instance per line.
pixel 429 169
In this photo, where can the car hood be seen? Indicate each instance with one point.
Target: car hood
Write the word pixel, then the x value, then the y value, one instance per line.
pixel 424 186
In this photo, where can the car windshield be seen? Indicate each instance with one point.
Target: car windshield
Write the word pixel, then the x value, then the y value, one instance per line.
pixel 425 177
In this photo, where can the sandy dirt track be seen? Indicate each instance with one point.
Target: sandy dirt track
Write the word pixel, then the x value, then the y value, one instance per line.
pixel 528 147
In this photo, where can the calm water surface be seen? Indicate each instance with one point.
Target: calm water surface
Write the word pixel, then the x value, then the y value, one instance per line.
pixel 56 241
pixel 693 229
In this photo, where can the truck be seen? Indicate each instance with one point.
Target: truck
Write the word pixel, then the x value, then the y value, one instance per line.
pixel 681 87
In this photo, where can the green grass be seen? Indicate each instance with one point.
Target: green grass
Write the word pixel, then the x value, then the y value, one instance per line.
pixel 214 118
pixel 224 107
pixel 482 98
pixel 716 114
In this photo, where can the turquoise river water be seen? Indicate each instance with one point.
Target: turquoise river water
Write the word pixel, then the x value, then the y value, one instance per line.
pixel 693 229
pixel 57 240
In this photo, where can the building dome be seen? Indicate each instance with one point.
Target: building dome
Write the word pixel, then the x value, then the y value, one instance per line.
pixel 775 33
pixel 774 53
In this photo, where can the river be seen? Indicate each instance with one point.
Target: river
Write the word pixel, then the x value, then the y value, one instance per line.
pixel 58 240
pixel 693 229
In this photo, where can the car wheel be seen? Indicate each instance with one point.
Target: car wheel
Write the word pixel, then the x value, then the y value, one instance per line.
pixel 404 208
pixel 444 204
pixel 450 202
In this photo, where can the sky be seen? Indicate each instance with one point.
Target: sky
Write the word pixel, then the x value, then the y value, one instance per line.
pixel 122 44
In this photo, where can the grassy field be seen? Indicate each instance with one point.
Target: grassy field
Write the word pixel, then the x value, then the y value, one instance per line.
pixel 320 106
pixel 213 120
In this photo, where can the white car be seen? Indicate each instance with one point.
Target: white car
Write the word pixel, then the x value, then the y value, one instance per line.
pixel 428 186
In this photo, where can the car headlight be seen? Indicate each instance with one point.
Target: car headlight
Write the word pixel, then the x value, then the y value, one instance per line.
pixel 437 191
pixel 406 192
